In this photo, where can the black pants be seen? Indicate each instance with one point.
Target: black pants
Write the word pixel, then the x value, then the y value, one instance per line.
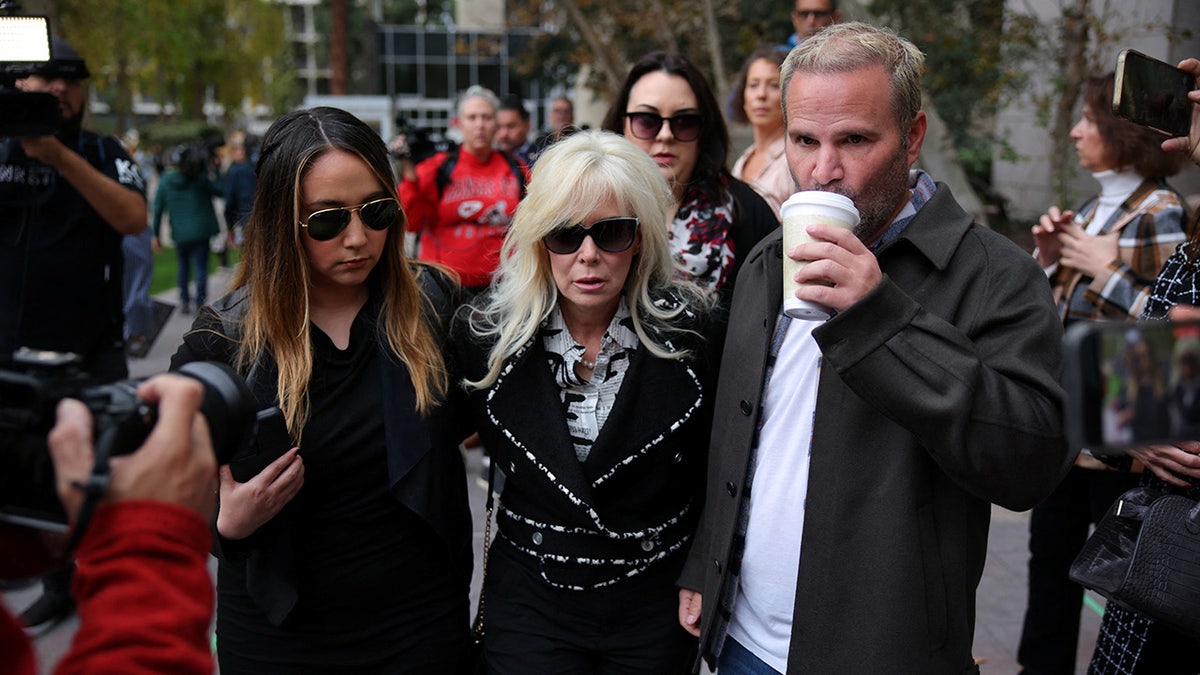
pixel 1057 529
pixel 627 629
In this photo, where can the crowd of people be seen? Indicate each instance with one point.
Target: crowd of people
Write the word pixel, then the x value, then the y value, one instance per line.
pixel 690 475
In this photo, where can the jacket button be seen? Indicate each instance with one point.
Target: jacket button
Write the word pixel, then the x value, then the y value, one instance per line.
pixel 746 407
pixel 731 489
pixel 647 545
pixel 537 538
pixel 718 564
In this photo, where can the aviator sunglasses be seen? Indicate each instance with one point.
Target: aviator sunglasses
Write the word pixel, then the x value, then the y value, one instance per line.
pixel 377 214
pixel 613 235
pixel 646 125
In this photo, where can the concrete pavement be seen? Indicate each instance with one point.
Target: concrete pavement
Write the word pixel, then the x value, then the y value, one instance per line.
pixel 1000 600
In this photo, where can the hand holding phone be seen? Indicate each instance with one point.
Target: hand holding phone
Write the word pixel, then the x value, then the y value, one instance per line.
pixel 1189 143
pixel 271 441
pixel 1153 93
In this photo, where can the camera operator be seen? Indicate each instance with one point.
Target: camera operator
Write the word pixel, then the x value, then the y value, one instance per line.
pixel 67 200
pixel 142 584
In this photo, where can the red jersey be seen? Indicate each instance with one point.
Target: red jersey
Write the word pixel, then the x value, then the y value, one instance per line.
pixel 464 227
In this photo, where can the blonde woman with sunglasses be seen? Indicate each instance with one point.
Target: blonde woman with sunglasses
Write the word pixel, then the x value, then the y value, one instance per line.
pixel 588 373
pixel 352 550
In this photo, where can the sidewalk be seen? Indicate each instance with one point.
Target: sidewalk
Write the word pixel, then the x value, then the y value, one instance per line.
pixel 1000 599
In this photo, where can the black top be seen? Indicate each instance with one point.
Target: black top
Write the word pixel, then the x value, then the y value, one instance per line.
pixel 355 548
pixel 60 262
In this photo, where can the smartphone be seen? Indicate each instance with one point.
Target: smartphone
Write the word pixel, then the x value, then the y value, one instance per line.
pixel 1132 384
pixel 271 440
pixel 1152 93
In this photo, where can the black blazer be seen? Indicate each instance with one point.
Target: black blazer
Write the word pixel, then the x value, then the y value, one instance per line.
pixel 632 505
pixel 425 467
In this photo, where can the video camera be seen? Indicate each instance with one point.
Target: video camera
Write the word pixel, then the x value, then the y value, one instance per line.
pixel 24 47
pixel 30 390
pixel 422 143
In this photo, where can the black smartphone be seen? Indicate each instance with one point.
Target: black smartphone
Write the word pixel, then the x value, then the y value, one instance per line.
pixel 271 440
pixel 1131 384
pixel 1152 93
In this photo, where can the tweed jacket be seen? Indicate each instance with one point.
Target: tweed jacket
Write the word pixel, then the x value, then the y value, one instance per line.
pixel 1149 225
pixel 632 505
pixel 937 397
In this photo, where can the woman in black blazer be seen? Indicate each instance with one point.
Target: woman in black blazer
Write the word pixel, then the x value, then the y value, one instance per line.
pixel 352 552
pixel 586 365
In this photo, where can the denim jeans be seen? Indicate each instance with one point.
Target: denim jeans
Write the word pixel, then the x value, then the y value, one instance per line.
pixel 737 660
pixel 195 253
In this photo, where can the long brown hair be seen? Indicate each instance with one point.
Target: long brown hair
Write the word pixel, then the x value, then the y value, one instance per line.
pixel 275 268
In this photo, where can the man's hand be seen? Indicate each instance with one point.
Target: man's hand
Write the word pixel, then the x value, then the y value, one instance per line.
pixel 690 603
pixel 175 464
pixel 840 270
pixel 1090 254
pixel 46 149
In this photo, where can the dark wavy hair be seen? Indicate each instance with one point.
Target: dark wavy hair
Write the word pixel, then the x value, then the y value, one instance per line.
pixel 1128 144
pixel 737 94
pixel 710 173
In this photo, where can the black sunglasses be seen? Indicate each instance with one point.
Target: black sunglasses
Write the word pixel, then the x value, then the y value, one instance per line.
pixel 377 214
pixel 610 234
pixel 646 125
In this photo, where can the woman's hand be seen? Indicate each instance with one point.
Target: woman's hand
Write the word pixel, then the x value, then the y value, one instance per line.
pixel 1090 254
pixel 245 507
pixel 1165 461
pixel 1045 235
pixel 1190 143
pixel 690 605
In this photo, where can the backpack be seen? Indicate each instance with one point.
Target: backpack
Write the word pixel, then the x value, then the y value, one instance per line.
pixel 442 177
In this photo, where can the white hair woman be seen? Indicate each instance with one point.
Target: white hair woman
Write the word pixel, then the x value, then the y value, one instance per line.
pixel 586 367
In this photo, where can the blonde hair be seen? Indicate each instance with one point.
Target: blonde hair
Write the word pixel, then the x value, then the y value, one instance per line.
pixel 276 271
pixel 572 179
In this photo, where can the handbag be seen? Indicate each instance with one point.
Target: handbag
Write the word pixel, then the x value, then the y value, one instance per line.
pixel 475 659
pixel 1145 553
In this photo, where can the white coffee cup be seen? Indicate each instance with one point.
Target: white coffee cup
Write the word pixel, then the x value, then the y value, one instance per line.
pixel 799 211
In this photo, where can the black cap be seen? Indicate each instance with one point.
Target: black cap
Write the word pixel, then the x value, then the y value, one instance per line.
pixel 65 63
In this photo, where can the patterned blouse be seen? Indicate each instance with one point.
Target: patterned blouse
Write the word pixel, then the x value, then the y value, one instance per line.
pixel 588 402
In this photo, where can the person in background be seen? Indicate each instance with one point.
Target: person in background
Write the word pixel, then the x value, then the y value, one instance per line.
pixel 1130 642
pixel 461 202
pixel 144 593
pixel 854 462
pixel 239 189
pixel 756 102
pixel 352 550
pixel 138 251
pixel 561 118
pixel 70 198
pixel 1101 261
pixel 810 16
pixel 512 129
pixel 185 193
pixel 588 375
pixel 667 108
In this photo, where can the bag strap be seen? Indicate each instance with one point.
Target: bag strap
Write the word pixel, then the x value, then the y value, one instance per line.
pixel 477 628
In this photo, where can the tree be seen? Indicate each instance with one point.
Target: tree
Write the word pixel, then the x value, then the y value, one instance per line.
pixel 180 53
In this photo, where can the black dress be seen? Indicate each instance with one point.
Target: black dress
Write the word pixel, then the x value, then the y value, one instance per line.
pixel 374 591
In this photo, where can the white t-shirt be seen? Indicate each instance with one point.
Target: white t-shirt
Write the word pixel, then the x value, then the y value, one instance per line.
pixel 762 610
